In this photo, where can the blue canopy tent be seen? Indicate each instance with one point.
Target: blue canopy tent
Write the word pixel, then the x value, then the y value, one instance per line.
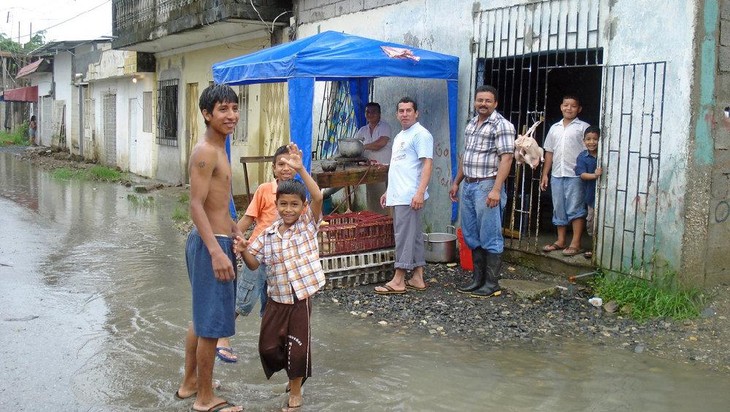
pixel 334 56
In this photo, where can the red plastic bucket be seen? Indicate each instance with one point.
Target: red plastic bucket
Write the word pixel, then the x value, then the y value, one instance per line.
pixel 464 252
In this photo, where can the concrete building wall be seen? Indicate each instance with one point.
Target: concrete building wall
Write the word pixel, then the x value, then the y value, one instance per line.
pixel 146 149
pixel 102 88
pixel 636 36
pixel 44 108
pixel 195 67
pixel 63 91
pixel 713 119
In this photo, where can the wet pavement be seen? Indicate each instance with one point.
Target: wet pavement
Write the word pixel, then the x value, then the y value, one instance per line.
pixel 95 302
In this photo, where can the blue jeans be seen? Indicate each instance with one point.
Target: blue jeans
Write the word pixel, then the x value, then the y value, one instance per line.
pixel 481 224
pixel 568 199
pixel 251 285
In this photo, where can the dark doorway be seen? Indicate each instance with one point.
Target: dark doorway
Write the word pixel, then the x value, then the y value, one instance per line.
pixel 532 87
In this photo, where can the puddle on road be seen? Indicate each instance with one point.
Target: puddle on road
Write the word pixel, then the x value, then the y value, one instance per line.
pixel 109 287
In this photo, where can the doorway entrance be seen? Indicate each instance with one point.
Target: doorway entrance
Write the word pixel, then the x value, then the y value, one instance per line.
pixel 531 88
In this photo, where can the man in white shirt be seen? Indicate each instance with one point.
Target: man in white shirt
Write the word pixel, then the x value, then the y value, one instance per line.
pixel 376 137
pixel 408 177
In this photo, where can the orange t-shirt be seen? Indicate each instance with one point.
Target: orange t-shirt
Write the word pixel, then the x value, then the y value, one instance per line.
pixel 263 207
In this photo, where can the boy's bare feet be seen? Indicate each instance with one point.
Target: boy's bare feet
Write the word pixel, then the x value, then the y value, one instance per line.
pixel 294 403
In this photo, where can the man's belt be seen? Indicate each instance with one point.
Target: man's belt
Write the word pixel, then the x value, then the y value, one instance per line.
pixel 478 179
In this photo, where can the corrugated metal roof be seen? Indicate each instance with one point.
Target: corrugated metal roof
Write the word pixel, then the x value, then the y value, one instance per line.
pixel 28 69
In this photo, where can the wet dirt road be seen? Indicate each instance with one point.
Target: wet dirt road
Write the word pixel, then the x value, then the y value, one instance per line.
pixel 95 302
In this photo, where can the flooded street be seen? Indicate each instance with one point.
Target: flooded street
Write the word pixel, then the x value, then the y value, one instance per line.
pixel 95 303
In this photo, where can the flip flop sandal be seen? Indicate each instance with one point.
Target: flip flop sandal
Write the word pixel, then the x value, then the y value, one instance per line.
pixel 222 356
pixel 570 251
pixel 215 408
pixel 389 290
pixel 414 287
pixel 552 247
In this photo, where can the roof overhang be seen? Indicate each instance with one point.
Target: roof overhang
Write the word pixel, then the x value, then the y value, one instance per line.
pixel 21 94
pixel 40 65
pixel 52 48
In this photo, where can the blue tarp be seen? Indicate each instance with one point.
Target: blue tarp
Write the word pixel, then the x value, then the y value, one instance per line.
pixel 333 56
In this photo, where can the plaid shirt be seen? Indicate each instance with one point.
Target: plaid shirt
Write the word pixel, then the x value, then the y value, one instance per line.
pixel 291 259
pixel 484 143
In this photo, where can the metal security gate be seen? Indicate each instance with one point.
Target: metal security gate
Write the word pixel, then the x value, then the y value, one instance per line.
pixel 628 197
pixel 534 54
pixel 110 129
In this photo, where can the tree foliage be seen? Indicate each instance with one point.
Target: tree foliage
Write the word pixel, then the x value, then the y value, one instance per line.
pixel 7 44
pixel 18 51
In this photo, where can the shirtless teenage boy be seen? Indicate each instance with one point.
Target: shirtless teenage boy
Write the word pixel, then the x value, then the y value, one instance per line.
pixel 209 252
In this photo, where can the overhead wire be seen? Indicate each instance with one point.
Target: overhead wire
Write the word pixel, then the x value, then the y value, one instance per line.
pixel 62 22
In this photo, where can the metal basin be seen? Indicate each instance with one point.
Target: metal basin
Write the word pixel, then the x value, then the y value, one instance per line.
pixel 440 247
pixel 350 147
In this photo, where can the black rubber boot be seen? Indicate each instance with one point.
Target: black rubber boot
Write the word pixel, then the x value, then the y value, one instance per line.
pixel 492 270
pixel 477 280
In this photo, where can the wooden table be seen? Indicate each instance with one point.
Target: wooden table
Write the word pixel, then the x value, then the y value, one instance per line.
pixel 349 175
pixel 345 175
pixel 252 159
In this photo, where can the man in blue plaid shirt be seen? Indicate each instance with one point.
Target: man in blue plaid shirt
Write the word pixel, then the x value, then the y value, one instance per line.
pixel 489 146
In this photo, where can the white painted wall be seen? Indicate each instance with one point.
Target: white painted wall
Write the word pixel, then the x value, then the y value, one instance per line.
pixel 63 78
pixel 146 149
pixel 196 67
pixel 145 141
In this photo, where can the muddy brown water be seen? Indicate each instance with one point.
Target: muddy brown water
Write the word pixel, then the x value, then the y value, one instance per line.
pixel 95 301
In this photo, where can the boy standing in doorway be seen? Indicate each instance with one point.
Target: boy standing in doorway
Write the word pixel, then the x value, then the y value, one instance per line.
pixel 586 168
pixel 562 145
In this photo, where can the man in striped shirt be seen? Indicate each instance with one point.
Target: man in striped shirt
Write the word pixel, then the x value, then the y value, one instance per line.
pixel 489 145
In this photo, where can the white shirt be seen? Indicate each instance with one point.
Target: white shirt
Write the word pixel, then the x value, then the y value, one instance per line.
pixel 566 143
pixel 381 129
pixel 404 175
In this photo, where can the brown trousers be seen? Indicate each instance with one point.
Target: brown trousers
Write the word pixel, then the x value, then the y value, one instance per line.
pixel 284 341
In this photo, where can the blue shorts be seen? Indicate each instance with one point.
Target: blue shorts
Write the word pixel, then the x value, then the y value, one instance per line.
pixel 251 287
pixel 568 200
pixel 214 310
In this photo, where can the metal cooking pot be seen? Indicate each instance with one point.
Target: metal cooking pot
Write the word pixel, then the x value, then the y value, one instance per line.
pixel 440 247
pixel 350 147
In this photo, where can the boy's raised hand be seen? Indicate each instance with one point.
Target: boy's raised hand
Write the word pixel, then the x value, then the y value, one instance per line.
pixel 295 157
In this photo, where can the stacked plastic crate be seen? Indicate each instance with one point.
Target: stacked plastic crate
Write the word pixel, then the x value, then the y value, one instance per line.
pixel 356 248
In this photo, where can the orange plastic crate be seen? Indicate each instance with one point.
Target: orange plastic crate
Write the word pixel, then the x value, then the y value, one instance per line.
pixel 354 233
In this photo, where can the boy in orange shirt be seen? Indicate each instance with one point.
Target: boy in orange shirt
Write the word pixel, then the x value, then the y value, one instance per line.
pixel 262 211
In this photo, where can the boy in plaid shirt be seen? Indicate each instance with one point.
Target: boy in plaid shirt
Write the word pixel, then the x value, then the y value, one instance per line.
pixel 290 252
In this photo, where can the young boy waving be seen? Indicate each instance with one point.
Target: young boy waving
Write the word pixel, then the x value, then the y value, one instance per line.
pixel 290 252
